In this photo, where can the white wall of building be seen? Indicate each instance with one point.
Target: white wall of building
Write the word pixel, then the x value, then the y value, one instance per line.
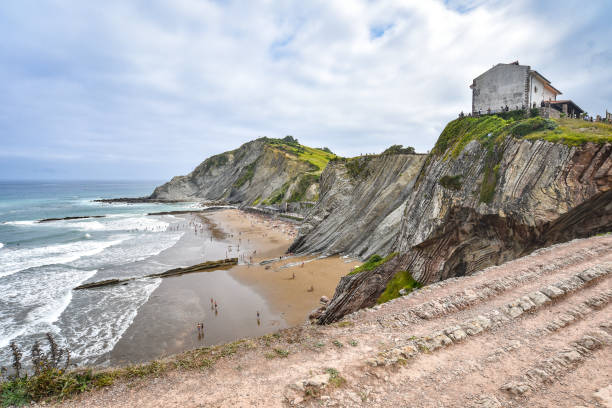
pixel 502 85
pixel 539 92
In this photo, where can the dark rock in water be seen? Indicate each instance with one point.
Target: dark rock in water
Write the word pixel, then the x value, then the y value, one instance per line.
pixel 138 200
pixel 107 282
pixel 71 218
pixel 196 268
pixel 172 272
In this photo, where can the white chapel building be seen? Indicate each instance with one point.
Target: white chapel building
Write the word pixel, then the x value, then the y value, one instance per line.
pixel 514 86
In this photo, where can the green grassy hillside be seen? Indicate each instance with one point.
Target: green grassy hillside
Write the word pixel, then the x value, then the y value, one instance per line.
pixel 317 158
pixel 491 129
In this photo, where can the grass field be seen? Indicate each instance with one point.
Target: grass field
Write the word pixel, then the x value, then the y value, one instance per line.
pixel 574 132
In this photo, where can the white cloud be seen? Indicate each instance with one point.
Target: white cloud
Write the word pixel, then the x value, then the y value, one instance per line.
pixel 182 80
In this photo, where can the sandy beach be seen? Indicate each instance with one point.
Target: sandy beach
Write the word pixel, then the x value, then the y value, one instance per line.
pixel 283 291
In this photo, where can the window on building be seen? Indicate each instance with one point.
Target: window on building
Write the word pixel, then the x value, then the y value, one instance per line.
pixel 535 89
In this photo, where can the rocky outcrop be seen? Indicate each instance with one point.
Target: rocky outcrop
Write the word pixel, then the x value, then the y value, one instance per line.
pixel 263 171
pixel 360 206
pixel 485 203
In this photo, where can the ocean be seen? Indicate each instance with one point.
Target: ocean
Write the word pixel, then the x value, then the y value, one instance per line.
pixel 41 263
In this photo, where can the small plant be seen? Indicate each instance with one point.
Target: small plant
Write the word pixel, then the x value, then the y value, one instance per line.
pixel 401 280
pixel 353 343
pixel 338 344
pixel 16 352
pixel 346 323
pixel 374 262
pixel 335 379
pixel 281 353
pixel 319 345
pixel 277 353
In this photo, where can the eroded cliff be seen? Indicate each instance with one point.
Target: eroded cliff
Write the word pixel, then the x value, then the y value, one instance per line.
pixel 490 191
pixel 360 206
pixel 263 171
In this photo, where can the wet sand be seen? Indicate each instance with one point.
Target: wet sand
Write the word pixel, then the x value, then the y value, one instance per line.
pixel 166 323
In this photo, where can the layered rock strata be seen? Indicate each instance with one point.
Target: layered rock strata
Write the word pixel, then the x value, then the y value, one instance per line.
pixel 360 214
pixel 488 204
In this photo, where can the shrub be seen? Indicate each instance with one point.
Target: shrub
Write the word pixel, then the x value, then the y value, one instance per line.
pixel 451 182
pixel 399 149
pixel 335 379
pixel 401 280
pixel 357 167
pixel 531 125
pixel 374 262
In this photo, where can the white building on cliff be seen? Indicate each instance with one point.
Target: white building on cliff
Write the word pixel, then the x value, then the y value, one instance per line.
pixel 515 86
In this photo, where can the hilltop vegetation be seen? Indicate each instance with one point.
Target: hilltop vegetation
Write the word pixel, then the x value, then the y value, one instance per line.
pixel 574 132
pixel 493 129
pixel 316 157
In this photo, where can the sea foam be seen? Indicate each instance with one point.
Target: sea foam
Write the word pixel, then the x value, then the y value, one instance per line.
pixel 15 260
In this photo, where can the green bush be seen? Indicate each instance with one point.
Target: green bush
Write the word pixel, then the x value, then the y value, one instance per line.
pixel 357 167
pixel 513 115
pixel 399 149
pixel 401 280
pixel 531 125
pixel 451 182
pixel 374 262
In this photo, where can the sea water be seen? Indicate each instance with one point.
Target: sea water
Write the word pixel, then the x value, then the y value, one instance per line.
pixel 41 263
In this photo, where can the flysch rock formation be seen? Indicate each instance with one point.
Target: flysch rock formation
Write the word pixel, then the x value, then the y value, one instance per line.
pixel 507 199
pixel 254 173
pixel 360 214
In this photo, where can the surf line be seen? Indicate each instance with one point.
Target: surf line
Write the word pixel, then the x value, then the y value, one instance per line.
pixel 222 263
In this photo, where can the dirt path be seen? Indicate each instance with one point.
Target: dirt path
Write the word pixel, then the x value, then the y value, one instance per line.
pixel 534 332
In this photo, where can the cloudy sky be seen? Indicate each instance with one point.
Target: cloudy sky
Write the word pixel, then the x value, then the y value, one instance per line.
pixel 147 89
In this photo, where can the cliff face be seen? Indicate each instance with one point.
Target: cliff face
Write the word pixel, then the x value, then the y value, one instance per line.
pixel 487 200
pixel 264 171
pixel 360 205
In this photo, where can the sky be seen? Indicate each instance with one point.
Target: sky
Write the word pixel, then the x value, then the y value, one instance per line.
pixel 147 89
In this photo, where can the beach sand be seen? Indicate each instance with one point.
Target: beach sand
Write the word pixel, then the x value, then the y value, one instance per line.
pixel 166 323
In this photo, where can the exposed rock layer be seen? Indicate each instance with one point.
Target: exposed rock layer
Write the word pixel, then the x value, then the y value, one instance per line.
pixel 361 214
pixel 543 193
pixel 256 171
